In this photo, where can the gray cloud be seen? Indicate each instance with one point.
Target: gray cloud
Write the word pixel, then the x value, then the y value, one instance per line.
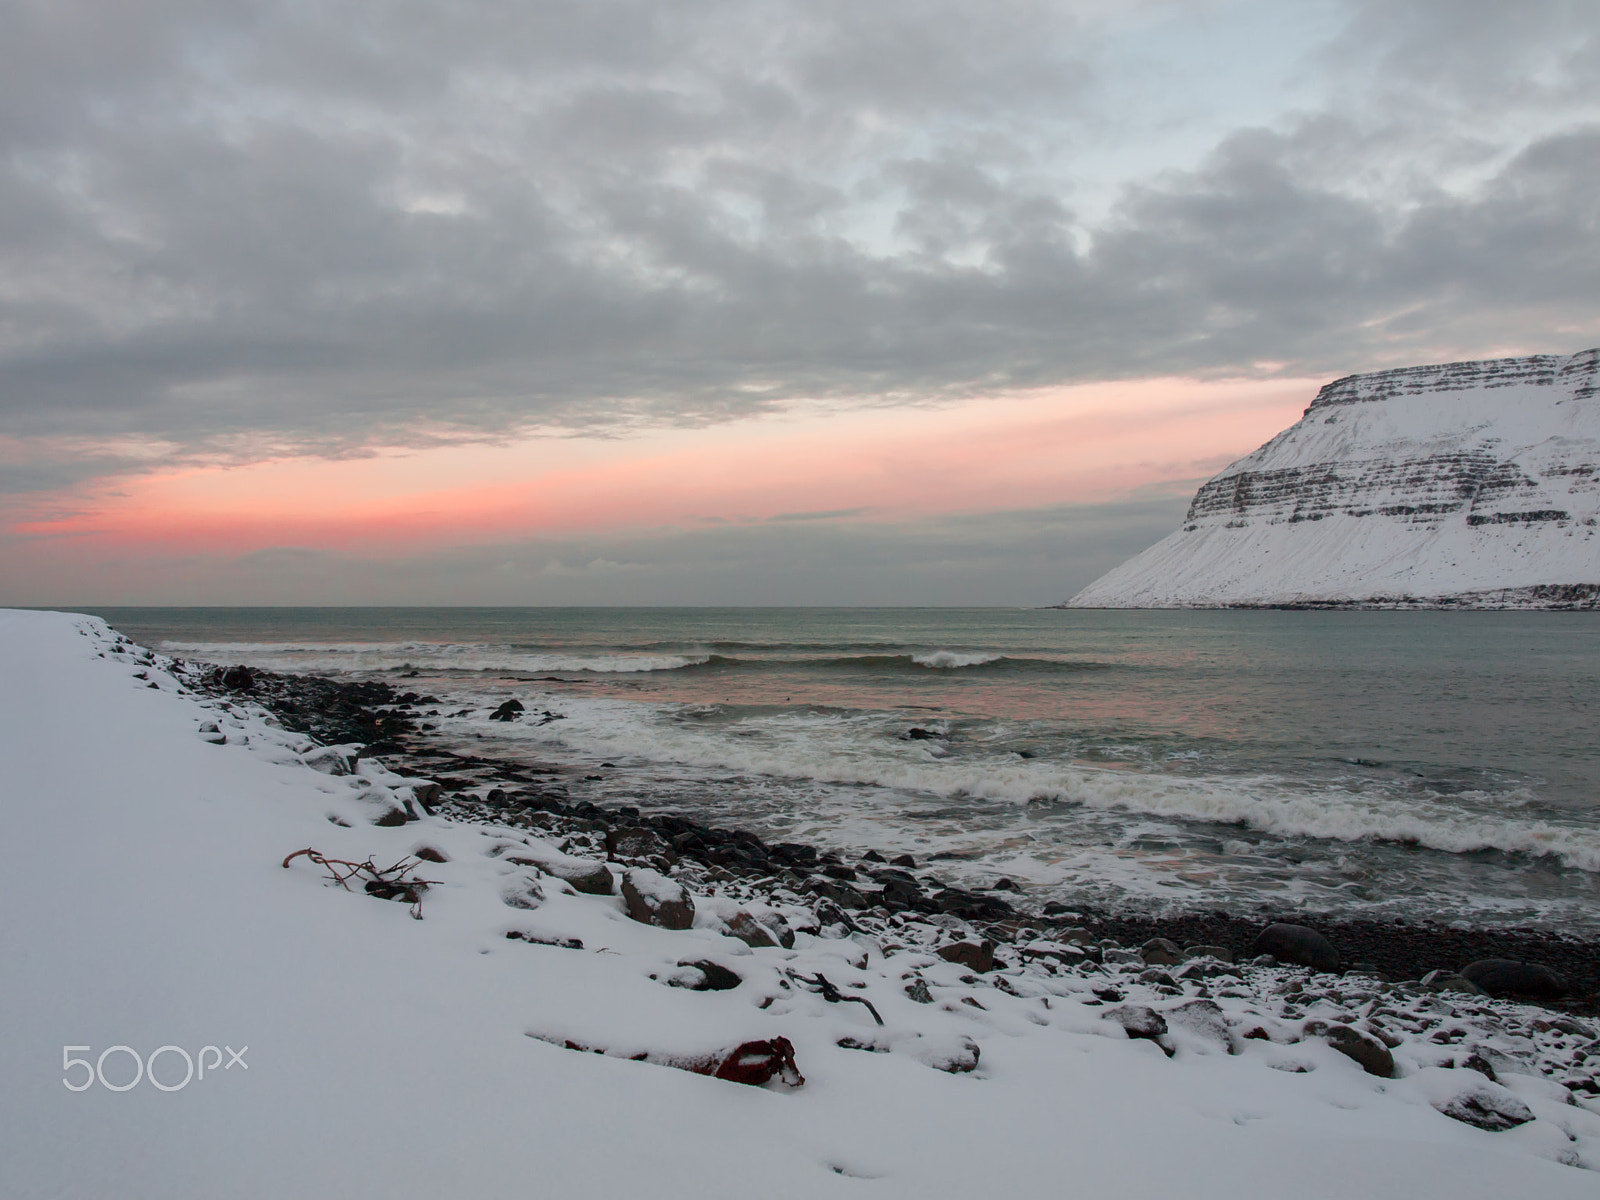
pixel 317 227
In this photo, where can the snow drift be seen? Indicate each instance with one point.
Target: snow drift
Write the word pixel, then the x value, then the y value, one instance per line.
pixel 158 904
pixel 1473 484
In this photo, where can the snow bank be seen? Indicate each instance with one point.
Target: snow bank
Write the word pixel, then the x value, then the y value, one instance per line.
pixel 146 906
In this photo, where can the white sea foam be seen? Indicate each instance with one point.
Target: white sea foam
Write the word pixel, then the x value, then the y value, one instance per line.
pixel 950 659
pixel 861 749
pixel 431 656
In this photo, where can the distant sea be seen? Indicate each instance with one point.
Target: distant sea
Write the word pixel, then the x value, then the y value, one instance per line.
pixel 1418 764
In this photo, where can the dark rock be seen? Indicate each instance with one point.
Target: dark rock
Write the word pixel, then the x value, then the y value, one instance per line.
pixel 632 843
pixel 653 899
pixel 899 891
pixel 919 991
pixel 1362 1048
pixel 840 893
pixel 751 931
pixel 1139 1020
pixel 1504 977
pixel 714 977
pixel 1006 885
pixel 240 679
pixel 978 956
pixel 914 734
pixel 586 876
pixel 429 854
pixel 509 711
pixel 840 871
pixel 872 856
pixel 1297 944
pixel 1159 952
pixel 392 818
pixel 904 860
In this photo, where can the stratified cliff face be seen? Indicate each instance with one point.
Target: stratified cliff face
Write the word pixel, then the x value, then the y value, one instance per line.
pixel 1467 484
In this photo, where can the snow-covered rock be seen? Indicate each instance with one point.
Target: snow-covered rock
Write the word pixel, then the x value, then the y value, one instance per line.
pixel 1473 484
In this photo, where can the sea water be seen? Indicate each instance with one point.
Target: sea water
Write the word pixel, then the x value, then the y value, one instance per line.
pixel 1438 765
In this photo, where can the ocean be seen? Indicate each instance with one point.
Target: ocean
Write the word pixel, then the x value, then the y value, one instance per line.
pixel 1431 765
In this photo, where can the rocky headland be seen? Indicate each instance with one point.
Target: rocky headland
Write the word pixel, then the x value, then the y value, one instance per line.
pixel 1463 485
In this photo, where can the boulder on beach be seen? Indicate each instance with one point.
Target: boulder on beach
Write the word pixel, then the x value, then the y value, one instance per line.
pixel 1138 1021
pixel 1366 1051
pixel 632 843
pixel 751 931
pixel 978 956
pixel 1500 977
pixel 653 899
pixel 1160 952
pixel 1298 944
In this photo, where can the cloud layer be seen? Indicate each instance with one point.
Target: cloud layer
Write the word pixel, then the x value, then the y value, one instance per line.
pixel 239 228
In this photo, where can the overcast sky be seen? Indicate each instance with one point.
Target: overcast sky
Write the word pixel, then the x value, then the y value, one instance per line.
pixel 253 242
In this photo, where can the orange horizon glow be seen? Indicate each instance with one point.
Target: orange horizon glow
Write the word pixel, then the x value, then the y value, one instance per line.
pixel 1081 444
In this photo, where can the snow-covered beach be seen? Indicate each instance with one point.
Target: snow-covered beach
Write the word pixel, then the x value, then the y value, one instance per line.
pixel 148 906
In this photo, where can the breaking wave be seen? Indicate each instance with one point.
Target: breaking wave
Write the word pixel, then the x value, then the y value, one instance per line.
pixel 863 749
pixel 429 656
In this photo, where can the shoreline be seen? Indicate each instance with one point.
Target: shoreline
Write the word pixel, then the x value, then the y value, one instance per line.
pixel 480 788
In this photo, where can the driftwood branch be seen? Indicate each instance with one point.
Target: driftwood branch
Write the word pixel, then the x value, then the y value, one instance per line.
pixel 386 883
pixel 832 994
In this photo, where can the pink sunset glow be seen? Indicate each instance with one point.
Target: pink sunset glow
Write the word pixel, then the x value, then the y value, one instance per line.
pixel 1020 450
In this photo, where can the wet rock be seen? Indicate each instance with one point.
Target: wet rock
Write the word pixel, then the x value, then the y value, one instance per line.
pixel 653 899
pixel 240 679
pixel 1504 977
pixel 1159 952
pixel 425 792
pixel 977 956
pixel 839 892
pixel 900 891
pixel 638 843
pixel 904 860
pixel 712 977
pixel 509 711
pixel 1366 1051
pixel 1297 944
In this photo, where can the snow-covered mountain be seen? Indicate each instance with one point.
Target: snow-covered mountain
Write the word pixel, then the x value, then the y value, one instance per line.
pixel 1472 484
